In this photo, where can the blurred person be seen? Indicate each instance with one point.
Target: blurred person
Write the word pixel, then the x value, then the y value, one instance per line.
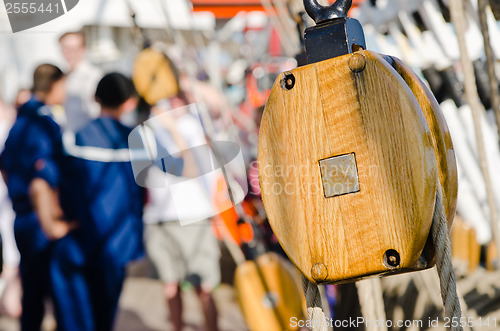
pixel 99 191
pixel 30 167
pixel 181 253
pixel 10 301
pixel 82 78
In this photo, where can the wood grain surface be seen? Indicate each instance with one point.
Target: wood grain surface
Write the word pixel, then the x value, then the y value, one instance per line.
pixel 441 138
pixel 354 104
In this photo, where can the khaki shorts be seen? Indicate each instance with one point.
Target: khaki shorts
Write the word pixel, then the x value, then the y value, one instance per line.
pixel 184 253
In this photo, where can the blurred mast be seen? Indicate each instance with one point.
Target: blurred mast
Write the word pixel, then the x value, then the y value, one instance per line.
pixel 190 66
pixel 286 41
pixel 458 19
pixel 137 29
pixel 490 62
pixel 205 114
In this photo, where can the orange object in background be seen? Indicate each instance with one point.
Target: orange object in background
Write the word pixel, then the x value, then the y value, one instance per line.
pixel 227 9
pixel 239 232
pixel 357 3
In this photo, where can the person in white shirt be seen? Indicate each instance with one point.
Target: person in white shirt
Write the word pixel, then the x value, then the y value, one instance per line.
pixel 181 253
pixel 81 82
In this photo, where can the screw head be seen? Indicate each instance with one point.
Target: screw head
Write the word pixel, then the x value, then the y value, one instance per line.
pixel 319 272
pixel 288 81
pixel 357 62
pixel 392 259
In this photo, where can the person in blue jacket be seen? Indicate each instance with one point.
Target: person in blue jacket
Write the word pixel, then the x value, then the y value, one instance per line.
pixel 30 166
pixel 100 192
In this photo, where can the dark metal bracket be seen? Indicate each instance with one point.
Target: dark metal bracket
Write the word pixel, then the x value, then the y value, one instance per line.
pixel 335 34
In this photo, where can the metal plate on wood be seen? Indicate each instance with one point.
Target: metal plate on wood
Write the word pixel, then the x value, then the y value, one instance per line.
pixel 339 175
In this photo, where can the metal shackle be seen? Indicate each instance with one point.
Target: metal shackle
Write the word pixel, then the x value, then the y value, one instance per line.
pixel 320 13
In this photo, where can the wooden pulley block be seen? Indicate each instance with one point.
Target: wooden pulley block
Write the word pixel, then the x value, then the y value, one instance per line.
pixel 351 150
pixel 154 76
pixel 270 289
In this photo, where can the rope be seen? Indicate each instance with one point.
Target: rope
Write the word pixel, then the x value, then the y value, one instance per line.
pixel 441 240
pixel 315 311
pixel 372 304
